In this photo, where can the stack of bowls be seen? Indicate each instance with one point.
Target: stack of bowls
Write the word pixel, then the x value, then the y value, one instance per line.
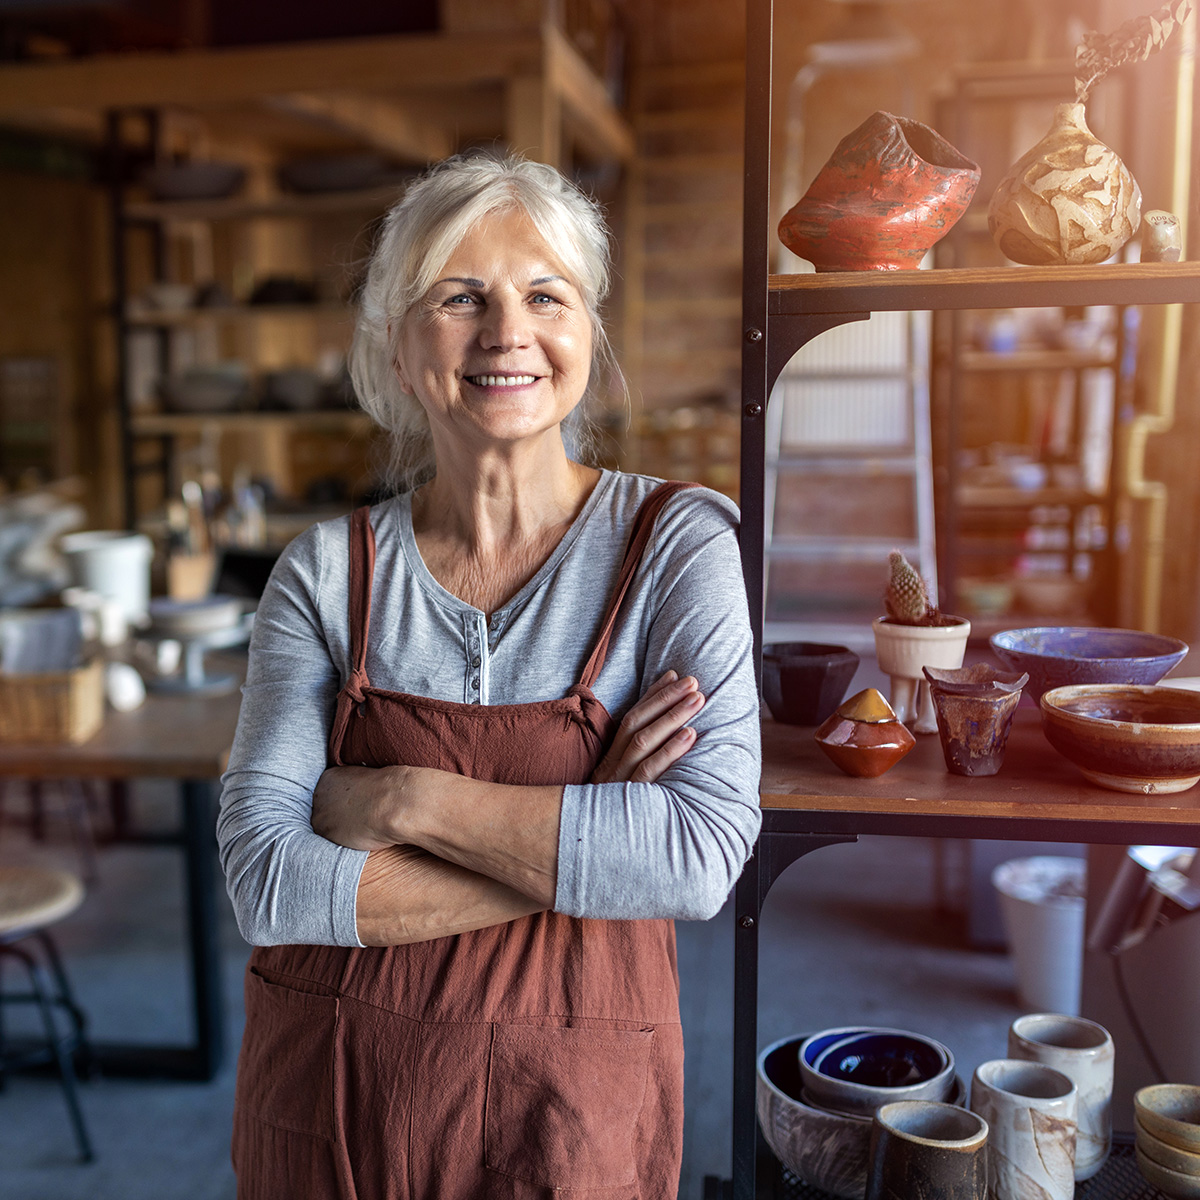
pixel 1167 1133
pixel 857 1070
pixel 824 1138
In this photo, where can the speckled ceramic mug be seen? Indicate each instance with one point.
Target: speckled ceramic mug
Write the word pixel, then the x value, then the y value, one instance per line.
pixel 1083 1051
pixel 923 1149
pixel 1030 1110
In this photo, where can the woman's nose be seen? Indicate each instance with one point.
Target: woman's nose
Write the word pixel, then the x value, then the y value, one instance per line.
pixel 505 326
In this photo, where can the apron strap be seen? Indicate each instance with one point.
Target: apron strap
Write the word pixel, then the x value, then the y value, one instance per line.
pixel 362 573
pixel 639 539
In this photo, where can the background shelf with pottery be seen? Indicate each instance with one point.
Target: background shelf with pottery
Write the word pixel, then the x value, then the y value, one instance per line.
pixel 234 325
pixel 804 807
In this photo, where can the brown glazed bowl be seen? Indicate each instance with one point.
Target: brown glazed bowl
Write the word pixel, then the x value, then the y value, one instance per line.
pixel 863 737
pixel 1130 738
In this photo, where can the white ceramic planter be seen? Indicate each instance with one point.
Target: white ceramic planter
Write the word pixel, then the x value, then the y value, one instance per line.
pixel 902 650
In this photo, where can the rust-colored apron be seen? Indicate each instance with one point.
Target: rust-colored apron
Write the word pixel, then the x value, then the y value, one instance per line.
pixel 534 1058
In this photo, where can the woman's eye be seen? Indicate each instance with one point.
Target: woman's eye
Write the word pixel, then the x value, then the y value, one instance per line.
pixel 545 298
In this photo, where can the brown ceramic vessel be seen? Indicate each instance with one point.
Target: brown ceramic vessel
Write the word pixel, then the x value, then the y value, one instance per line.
pixel 863 737
pixel 974 707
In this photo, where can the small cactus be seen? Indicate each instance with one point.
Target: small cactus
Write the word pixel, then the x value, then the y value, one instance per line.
pixel 906 598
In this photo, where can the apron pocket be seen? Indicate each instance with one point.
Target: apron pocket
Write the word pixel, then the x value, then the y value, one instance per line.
pixel 563 1104
pixel 285 1069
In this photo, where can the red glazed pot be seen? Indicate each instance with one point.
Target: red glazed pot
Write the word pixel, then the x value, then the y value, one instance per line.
pixel 890 190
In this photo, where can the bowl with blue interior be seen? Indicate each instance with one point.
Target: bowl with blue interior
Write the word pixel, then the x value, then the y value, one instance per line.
pixel 1068 655
pixel 856 1070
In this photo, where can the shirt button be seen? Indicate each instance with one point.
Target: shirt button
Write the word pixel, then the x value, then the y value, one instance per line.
pixel 476 661
pixel 475 683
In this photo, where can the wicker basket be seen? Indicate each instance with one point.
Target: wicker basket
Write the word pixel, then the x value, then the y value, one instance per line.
pixel 57 706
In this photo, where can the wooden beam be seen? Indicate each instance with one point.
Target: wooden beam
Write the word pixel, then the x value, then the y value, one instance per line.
pixel 213 78
pixel 533 119
pixel 587 107
pixel 380 123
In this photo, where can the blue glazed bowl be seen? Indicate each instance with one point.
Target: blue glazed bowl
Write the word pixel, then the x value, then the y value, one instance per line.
pixel 858 1070
pixel 1062 656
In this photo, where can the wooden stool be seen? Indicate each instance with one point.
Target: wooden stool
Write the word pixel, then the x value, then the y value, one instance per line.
pixel 32 898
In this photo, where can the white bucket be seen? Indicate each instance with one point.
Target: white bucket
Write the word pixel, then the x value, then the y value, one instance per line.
pixel 1042 906
pixel 114 564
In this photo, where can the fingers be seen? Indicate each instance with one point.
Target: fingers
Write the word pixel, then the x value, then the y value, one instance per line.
pixel 654 733
pixel 666 756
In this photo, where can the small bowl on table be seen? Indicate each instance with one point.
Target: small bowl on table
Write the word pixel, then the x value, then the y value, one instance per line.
pixel 856 1071
pixel 1061 655
pixel 803 682
pixel 1127 738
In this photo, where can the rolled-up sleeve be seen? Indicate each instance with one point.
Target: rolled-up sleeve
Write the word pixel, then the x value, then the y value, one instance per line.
pixel 675 848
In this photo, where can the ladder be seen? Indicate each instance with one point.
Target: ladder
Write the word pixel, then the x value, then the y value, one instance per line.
pixel 848 478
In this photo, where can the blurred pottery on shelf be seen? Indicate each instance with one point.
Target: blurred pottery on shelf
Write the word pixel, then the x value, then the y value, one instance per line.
pixel 890 190
pixel 863 737
pixel 974 707
pixel 1069 201
pixel 903 651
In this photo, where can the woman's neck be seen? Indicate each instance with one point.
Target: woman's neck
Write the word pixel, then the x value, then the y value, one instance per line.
pixel 485 527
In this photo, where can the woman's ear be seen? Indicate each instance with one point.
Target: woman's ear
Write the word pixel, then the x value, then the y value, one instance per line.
pixel 397 363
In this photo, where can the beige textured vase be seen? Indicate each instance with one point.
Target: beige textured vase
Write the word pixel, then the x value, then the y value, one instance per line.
pixel 1070 200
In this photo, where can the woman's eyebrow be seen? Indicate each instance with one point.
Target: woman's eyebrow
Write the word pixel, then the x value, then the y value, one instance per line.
pixel 476 283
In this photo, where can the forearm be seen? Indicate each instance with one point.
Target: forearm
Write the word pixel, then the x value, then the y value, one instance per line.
pixel 505 832
pixel 406 895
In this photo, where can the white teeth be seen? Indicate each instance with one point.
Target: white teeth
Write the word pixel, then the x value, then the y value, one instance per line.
pixel 501 380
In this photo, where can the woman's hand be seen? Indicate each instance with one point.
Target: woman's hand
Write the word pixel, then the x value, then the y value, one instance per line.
pixel 358 807
pixel 654 734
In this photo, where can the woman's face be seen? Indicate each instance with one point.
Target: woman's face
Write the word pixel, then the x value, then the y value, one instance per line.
pixel 499 349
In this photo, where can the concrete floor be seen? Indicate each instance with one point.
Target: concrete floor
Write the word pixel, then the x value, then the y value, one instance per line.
pixel 851 933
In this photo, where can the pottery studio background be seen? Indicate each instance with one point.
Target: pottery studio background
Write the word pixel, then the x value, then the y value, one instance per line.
pixel 1051 453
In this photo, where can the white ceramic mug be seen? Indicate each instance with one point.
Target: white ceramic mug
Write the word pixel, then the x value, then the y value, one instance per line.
pixel 1083 1051
pixel 1030 1110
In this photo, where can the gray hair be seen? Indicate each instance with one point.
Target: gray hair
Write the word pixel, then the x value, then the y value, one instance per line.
pixel 418 236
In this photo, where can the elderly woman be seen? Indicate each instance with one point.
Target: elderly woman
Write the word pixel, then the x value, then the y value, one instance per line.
pixel 497 733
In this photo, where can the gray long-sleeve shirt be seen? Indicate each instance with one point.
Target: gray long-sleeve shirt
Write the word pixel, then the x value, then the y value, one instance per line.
pixel 672 848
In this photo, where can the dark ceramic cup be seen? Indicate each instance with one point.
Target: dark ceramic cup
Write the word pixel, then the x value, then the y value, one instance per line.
pixel 925 1150
pixel 803 682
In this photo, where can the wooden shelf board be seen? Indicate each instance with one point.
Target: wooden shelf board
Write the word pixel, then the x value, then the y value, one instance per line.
pixel 233 313
pixel 1034 784
pixel 1032 360
pixel 166 424
pixel 236 208
pixel 1014 497
pixel 838 292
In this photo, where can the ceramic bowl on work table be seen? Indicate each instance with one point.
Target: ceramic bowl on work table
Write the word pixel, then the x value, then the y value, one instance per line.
pixel 1061 655
pixel 1125 737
